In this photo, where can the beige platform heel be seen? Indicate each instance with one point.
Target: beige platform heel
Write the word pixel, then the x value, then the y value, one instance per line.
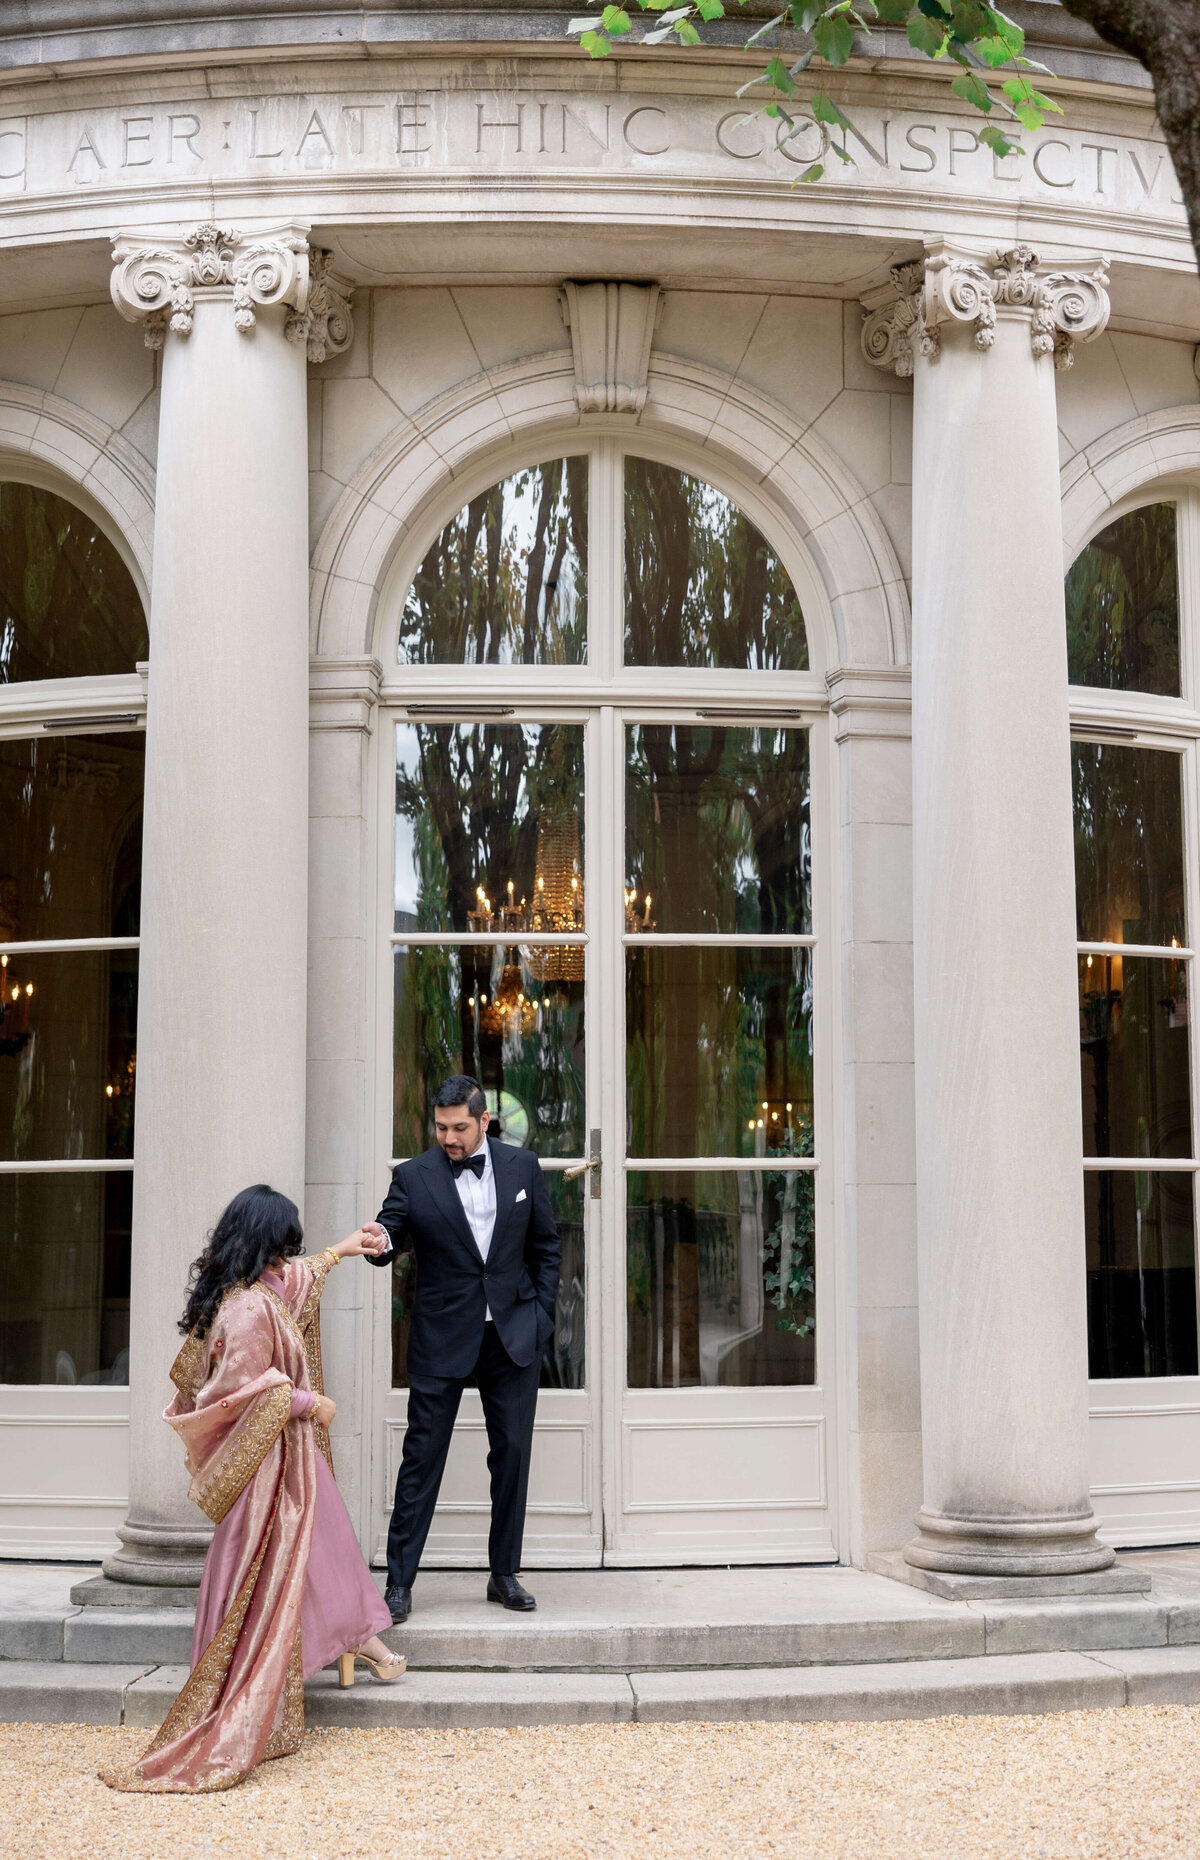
pixel 389 1669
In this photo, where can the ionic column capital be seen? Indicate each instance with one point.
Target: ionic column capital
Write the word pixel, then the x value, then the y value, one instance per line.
pixel 955 286
pixel 157 280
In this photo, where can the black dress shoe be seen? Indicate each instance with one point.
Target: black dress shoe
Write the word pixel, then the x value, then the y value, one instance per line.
pixel 399 1601
pixel 508 1592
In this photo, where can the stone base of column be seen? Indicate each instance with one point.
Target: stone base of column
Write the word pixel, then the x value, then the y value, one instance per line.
pixel 1049 1546
pixel 165 1556
pixel 1118 1579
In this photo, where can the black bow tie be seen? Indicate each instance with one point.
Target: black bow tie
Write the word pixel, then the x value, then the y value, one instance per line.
pixel 475 1163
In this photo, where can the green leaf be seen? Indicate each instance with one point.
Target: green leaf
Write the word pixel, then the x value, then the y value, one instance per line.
pixel 615 20
pixel 596 45
pixel 974 91
pixel 969 19
pixel 806 13
pixel 710 9
pixel 893 12
pixel 810 174
pixel 764 30
pixel 926 35
pixel 1024 97
pixel 685 32
pixel 993 51
pixel 834 40
pixel 842 154
pixel 779 77
pixel 1008 30
pixel 935 9
pixel 825 110
pixel 996 139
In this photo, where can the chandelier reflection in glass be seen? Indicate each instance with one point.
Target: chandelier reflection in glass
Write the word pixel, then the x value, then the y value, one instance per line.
pixel 557 904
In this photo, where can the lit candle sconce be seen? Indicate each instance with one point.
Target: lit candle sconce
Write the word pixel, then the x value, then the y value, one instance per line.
pixel 16 1001
pixel 634 924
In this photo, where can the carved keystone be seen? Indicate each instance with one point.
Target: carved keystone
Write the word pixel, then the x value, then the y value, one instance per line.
pixel 612 327
pixel 157 284
pixel 953 285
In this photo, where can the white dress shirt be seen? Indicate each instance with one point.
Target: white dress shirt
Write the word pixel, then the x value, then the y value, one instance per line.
pixel 478 1197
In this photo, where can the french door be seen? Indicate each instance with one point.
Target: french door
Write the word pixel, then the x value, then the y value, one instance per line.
pixel 607 903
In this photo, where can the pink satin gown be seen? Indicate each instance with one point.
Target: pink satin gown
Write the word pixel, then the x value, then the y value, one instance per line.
pixel 340 1606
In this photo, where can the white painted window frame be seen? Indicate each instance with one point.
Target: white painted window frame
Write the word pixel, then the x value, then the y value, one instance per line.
pixel 1172 725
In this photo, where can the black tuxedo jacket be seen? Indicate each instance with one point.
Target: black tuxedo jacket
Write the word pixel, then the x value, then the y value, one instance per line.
pixel 519 1283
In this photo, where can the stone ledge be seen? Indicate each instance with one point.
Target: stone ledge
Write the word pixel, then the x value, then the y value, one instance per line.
pixel 102 1592
pixel 52 1692
pixel 952 1587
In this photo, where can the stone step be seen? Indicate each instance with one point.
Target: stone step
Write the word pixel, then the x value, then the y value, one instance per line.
pixel 49 1692
pixel 476 1637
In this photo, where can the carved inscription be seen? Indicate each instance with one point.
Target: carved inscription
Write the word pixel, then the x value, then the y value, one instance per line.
pixel 505 133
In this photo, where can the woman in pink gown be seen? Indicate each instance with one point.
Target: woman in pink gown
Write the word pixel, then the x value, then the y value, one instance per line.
pixel 285 1590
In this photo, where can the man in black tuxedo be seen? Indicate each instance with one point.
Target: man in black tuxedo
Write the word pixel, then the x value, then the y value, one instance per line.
pixel 479 1221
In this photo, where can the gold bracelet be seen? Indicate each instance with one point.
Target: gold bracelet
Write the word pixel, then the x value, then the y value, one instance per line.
pixel 335 1259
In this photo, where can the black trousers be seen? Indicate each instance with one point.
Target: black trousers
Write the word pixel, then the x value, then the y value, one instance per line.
pixel 509 1397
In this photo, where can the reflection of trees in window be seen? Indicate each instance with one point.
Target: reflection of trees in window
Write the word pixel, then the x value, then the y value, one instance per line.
pixel 68 605
pixel 703 586
pixel 478 797
pixel 1128 844
pixel 717 827
pixel 1123 606
pixel 505 582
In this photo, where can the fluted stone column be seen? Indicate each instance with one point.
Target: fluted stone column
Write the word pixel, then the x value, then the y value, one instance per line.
pixel 998 1126
pixel 221 1025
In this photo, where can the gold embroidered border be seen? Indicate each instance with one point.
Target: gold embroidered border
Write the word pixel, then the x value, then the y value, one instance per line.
pixel 256 1435
pixel 189 1369
pixel 288 1735
pixel 308 1326
pixel 201 1691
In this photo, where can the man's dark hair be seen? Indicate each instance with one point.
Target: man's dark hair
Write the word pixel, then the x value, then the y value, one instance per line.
pixel 459 1089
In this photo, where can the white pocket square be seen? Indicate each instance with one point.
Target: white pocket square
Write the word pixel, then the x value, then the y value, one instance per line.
pixel 521 1195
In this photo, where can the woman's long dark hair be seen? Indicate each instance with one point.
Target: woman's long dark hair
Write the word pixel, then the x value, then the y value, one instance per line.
pixel 257 1227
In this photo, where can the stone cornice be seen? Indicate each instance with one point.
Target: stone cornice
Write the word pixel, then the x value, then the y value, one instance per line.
pixel 157 279
pixel 954 285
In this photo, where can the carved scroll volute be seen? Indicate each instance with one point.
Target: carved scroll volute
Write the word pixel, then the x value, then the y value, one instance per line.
pixel 956 286
pixel 612 328
pixel 158 284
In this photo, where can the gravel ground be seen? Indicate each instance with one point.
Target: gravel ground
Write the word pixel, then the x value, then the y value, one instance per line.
pixel 1100 1785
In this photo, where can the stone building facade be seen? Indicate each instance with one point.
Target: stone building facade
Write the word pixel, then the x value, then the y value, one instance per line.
pixel 497 576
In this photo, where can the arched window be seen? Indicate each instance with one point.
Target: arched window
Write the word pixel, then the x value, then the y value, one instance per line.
pixel 68 605
pixel 71 787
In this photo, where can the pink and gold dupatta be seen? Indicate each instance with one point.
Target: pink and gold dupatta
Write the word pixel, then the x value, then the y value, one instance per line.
pixel 244 1700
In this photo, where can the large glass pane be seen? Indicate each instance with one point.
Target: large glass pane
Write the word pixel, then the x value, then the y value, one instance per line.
pixel 702 585
pixel 71 836
pixel 68 1035
pixel 64 1278
pixel 720 1279
pixel 717 829
pixel 68 605
pixel 719 1054
pixel 565 1364
pixel 506 581
pixel 1128 844
pixel 489 826
pixel 511 1018
pixel 1133 1037
pixel 1123 606
pixel 1141 1274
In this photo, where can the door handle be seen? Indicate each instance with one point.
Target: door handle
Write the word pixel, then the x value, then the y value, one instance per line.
pixel 591 1167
